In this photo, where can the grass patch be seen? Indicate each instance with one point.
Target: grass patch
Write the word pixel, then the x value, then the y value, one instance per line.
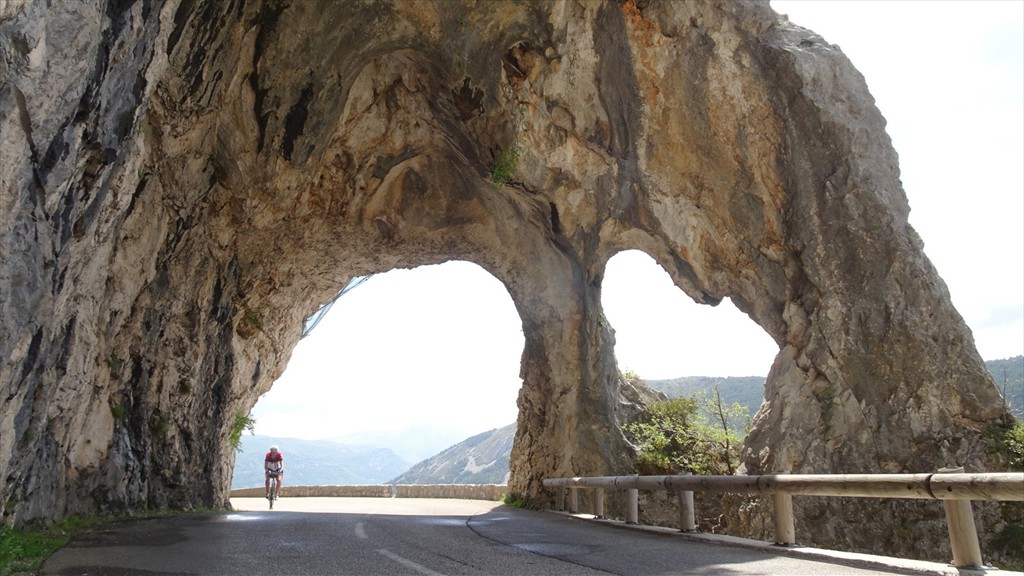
pixel 23 551
pixel 119 412
pixel 518 501
pixel 505 164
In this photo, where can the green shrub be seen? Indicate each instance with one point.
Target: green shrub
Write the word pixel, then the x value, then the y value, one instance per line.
pixel 666 441
pixel 518 501
pixel 159 424
pixel 698 435
pixel 1008 544
pixel 241 424
pixel 1014 440
pixel 505 164
pixel 253 318
pixel 118 411
pixel 1007 441
pixel 114 365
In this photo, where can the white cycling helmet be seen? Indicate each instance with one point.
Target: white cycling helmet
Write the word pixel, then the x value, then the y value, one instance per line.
pixel 273 448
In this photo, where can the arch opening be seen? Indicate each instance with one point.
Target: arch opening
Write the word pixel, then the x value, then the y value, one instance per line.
pixel 413 361
pixel 679 346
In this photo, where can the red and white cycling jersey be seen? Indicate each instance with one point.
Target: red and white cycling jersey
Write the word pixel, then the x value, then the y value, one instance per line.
pixel 273 463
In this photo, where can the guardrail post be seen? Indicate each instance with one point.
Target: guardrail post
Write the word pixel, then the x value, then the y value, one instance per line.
pixel 633 510
pixel 686 516
pixel 599 503
pixel 686 512
pixel 560 498
pixel 963 535
pixel 785 532
pixel 574 500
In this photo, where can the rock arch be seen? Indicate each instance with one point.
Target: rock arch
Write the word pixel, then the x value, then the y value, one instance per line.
pixel 184 182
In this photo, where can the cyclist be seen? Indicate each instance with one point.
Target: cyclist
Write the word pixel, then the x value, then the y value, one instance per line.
pixel 273 465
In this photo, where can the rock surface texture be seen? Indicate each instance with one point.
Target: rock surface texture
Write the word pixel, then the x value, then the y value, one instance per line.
pixel 184 182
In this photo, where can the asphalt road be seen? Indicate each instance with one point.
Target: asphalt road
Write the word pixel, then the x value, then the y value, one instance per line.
pixel 305 536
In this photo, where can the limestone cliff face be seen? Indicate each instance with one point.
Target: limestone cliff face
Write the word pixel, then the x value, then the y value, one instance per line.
pixel 183 182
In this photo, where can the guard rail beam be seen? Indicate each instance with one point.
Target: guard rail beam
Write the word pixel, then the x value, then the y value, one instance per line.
pixel 955 488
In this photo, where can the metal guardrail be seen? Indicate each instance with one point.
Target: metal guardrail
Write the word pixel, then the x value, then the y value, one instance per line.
pixel 955 488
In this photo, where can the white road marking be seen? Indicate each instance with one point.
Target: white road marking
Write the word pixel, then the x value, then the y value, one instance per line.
pixel 408 563
pixel 360 531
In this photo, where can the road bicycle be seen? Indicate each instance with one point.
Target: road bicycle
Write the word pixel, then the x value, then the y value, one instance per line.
pixel 272 493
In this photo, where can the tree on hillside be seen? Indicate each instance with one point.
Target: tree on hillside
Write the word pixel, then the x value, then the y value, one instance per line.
pixel 725 424
pixel 688 435
pixel 1009 377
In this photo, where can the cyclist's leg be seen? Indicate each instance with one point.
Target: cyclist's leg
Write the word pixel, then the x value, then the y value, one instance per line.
pixel 266 475
pixel 280 483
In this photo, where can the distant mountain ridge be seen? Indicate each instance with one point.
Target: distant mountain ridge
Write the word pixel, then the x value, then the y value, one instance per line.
pixel 414 443
pixel 316 462
pixel 480 459
pixel 747 391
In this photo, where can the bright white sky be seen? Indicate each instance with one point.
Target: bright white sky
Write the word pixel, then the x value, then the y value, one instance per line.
pixel 441 344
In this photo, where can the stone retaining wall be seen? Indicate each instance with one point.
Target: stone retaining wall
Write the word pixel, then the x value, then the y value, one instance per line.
pixel 463 491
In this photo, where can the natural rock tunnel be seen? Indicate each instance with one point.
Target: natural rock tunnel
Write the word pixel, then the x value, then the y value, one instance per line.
pixel 184 182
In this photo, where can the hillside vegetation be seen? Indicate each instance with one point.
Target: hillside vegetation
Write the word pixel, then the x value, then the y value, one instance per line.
pixel 748 391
